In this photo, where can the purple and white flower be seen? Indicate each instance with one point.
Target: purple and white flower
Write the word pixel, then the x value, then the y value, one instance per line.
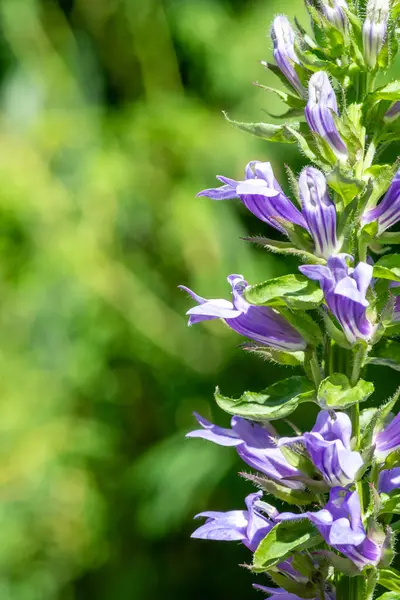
pixel 345 294
pixel 261 194
pixel 319 211
pixel 259 323
pixel 248 526
pixel 328 445
pixel 387 212
pixel 334 12
pixel 341 526
pixel 283 39
pixel 388 440
pixel 374 29
pixel 320 106
pixel 255 445
pixel 392 113
pixel 389 480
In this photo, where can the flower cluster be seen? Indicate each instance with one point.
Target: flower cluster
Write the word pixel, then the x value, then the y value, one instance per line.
pixel 335 315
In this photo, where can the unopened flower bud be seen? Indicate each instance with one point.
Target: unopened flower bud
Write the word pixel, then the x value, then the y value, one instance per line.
pixel 320 106
pixel 374 29
pixel 283 38
pixel 392 113
pixel 319 211
pixel 334 12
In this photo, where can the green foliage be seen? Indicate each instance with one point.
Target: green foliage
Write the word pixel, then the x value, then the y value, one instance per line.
pixel 295 291
pixel 390 579
pixel 336 392
pixel 280 542
pixel 276 402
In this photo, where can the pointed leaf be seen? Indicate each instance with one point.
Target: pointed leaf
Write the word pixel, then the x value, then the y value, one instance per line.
pixel 289 359
pixel 283 540
pixel 282 492
pixel 386 353
pixel 276 402
pixel 295 291
pixel 388 267
pixel 390 579
pixel 267 131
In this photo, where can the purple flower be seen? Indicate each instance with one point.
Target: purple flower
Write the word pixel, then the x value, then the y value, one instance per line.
pixel 319 211
pixel 341 526
pixel 320 106
pixel 345 294
pixel 389 480
pixel 328 445
pixel 248 526
pixel 255 446
pixel 259 323
pixel 374 29
pixel 333 11
pixel 393 112
pixel 283 39
pixel 388 440
pixel 281 594
pixel 260 193
pixel 387 213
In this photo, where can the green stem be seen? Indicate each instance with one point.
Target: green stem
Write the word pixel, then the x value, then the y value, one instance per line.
pixel 315 370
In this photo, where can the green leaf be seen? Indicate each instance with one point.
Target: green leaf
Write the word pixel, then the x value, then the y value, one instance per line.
pixel 286 248
pixel 267 131
pixel 283 540
pixel 390 237
pixel 305 325
pixel 276 402
pixel 302 590
pixel 282 492
pixel 303 144
pixel 295 291
pixel 390 579
pixel 304 565
pixel 386 353
pixel 344 183
pixel 336 392
pixel 340 563
pixel 388 267
pixel 390 504
pixel 391 91
pixel 288 359
pixel 292 101
pixel 389 596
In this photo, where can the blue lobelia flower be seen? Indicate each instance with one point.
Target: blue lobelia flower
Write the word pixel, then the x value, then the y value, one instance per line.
pixel 319 211
pixel 320 106
pixel 387 212
pixel 283 39
pixel 255 445
pixel 388 440
pixel 345 294
pixel 333 11
pixel 340 524
pixel 328 445
pixel 261 193
pixel 375 29
pixel 248 526
pixel 393 112
pixel 389 480
pixel 259 323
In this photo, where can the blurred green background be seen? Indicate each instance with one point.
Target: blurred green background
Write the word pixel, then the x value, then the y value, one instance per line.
pixel 110 124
